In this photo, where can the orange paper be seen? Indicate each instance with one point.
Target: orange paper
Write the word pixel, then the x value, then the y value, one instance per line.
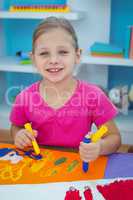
pixel 55 166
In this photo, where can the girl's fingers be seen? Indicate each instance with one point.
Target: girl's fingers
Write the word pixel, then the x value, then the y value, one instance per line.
pixel 35 133
pixel 86 146
pixel 88 158
pixel 88 152
pixel 26 141
pixel 29 135
pixel 24 138
pixel 19 144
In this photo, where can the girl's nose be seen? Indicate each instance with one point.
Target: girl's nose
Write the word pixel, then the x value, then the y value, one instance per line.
pixel 53 59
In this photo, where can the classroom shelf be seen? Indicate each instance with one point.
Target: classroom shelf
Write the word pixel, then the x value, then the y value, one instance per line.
pixel 11 64
pixel 107 61
pixel 41 15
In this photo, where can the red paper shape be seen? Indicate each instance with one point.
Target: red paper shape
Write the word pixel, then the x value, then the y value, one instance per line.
pixel 119 190
pixel 88 194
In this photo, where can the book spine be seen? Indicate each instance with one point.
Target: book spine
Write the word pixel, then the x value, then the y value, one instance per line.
pixel 131 45
pixel 127 42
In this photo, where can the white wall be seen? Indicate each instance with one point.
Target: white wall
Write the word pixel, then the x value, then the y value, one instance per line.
pixel 95 27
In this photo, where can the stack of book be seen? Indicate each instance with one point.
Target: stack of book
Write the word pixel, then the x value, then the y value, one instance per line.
pixel 39 6
pixel 106 50
pixel 128 50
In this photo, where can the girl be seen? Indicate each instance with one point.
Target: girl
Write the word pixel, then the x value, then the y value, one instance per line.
pixel 61 108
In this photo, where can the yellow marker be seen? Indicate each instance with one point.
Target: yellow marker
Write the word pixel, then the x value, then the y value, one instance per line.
pixel 34 142
pixel 99 133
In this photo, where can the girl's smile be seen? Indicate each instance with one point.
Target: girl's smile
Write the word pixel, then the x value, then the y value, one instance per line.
pixel 54 70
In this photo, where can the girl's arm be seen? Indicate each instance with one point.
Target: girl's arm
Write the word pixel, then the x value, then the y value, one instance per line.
pixel 112 141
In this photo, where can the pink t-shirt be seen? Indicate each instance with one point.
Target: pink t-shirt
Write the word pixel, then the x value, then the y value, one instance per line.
pixel 67 125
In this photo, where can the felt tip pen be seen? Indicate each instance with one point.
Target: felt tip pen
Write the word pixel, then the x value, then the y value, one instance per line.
pixel 85 166
pixel 34 142
pixel 93 138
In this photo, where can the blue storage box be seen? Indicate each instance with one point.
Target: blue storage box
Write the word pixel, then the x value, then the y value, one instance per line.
pixel 37 2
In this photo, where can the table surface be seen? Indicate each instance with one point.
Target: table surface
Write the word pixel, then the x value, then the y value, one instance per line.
pixel 116 168
pixel 51 190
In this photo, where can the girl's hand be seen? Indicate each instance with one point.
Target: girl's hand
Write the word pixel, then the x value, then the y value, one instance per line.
pixel 89 152
pixel 24 138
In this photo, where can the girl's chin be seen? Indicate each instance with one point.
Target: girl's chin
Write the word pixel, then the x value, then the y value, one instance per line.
pixel 54 80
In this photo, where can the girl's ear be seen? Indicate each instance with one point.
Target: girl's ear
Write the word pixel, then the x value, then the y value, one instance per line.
pixel 78 55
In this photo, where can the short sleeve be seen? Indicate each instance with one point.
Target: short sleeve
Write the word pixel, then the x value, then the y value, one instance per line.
pixel 18 114
pixel 105 109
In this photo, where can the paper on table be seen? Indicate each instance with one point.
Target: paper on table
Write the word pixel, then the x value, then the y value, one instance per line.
pixel 55 166
pixel 119 165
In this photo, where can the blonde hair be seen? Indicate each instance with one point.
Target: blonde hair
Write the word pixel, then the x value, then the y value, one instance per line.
pixel 51 23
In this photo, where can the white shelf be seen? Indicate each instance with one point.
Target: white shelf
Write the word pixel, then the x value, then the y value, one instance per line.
pixel 40 15
pixel 107 61
pixel 11 64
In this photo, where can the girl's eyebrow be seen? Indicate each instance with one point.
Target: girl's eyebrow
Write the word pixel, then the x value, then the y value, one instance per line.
pixel 41 48
pixel 62 47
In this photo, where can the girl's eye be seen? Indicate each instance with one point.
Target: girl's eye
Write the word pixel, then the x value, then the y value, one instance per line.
pixel 44 54
pixel 63 52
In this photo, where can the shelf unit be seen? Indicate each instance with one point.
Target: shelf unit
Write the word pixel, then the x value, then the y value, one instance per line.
pixel 107 61
pixel 15 66
pixel 40 15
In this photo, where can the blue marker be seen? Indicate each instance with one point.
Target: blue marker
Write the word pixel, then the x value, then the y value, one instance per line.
pixel 85 166
pixel 94 138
